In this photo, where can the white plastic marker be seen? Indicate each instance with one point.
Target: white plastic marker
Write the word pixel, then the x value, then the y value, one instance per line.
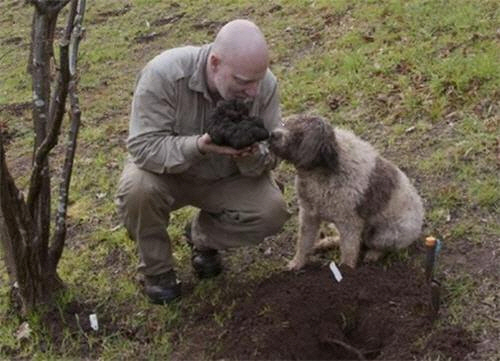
pixel 93 322
pixel 335 271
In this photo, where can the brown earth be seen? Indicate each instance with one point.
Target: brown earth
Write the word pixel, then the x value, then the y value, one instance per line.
pixel 379 311
pixel 375 312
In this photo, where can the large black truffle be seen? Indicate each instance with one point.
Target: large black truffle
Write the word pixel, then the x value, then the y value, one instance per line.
pixel 230 124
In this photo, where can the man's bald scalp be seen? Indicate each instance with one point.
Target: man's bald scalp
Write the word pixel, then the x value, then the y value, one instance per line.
pixel 240 38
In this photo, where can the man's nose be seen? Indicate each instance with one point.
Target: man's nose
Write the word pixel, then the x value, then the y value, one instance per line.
pixel 252 90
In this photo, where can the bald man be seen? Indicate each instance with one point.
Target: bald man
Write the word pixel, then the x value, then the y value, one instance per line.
pixel 173 162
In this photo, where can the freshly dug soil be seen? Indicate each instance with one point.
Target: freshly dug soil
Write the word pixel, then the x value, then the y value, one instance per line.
pixel 373 313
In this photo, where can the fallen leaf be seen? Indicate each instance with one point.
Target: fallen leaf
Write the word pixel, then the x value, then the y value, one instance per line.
pixel 23 332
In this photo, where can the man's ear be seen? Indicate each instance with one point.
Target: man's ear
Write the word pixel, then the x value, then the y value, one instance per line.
pixel 214 62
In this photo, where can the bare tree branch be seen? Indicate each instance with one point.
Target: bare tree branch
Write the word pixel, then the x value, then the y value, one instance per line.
pixel 39 206
pixel 76 36
pixel 62 4
pixel 29 65
pixel 47 117
pixel 60 226
pixel 70 24
pixel 58 100
pixel 56 115
pixel 75 26
pixel 40 75
pixel 49 6
pixel 39 4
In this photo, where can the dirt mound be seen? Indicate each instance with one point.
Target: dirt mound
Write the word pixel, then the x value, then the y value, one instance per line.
pixel 373 313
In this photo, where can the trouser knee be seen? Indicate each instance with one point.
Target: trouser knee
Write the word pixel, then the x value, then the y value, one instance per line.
pixel 274 217
pixel 142 200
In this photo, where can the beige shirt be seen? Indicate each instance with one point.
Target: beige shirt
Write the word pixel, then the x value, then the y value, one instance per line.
pixel 170 109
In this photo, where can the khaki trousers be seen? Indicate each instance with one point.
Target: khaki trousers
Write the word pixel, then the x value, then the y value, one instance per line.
pixel 234 211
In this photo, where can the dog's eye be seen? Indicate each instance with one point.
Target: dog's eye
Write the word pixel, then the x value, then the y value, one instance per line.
pixel 297 136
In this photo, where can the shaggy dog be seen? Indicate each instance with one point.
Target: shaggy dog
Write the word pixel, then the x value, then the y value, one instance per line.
pixel 342 179
pixel 230 124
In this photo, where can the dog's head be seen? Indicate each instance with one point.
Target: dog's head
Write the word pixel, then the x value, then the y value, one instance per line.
pixel 307 142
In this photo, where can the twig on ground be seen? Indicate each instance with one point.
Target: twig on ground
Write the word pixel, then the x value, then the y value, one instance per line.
pixel 348 347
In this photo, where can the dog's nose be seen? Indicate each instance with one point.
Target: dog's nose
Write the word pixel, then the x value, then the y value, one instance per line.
pixel 276 134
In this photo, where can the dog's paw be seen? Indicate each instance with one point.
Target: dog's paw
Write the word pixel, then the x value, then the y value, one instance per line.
pixel 349 261
pixel 326 243
pixel 295 264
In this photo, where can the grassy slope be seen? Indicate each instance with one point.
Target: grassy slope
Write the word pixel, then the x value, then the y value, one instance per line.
pixel 419 79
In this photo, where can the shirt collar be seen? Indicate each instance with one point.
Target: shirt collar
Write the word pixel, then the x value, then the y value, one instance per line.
pixel 198 81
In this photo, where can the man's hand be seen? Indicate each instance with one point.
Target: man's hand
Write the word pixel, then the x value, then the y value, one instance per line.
pixel 247 151
pixel 205 145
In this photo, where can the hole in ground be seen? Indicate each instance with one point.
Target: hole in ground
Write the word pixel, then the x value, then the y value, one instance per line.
pixel 375 312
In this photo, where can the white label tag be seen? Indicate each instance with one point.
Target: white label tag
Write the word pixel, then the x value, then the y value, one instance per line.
pixel 335 271
pixel 93 322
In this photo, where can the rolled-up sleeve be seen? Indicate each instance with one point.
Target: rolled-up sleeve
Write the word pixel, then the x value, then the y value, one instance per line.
pixel 153 143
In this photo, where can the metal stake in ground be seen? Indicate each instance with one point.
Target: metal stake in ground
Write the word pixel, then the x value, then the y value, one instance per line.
pixel 433 246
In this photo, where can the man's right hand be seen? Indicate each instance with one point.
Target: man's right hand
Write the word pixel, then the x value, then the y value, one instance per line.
pixel 205 145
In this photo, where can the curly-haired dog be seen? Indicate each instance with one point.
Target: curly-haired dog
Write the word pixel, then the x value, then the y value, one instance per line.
pixel 342 179
pixel 230 124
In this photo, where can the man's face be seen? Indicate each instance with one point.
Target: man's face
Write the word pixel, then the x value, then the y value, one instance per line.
pixel 238 79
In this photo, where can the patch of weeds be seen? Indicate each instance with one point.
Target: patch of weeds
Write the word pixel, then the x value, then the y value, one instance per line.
pixel 439 162
pixel 450 196
pixel 399 256
pixel 208 291
pixel 179 219
pixel 456 291
pixel 485 193
pixel 461 230
pixel 9 324
pixel 224 314
pixel 259 270
pixel 78 210
pixel 437 215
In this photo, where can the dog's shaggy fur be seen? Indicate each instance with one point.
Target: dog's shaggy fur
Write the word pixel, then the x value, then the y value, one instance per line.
pixel 342 179
pixel 230 124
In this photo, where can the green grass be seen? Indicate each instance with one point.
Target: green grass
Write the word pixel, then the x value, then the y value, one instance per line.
pixel 420 79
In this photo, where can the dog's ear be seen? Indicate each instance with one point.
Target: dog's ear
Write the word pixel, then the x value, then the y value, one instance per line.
pixel 318 145
pixel 329 154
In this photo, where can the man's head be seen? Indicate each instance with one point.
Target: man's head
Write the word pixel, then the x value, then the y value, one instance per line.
pixel 238 60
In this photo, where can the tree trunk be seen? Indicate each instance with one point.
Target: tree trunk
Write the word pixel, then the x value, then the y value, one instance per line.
pixel 7 246
pixel 20 238
pixel 25 225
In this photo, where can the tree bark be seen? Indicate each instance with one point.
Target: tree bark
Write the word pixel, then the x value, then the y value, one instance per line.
pixel 21 237
pixel 39 200
pixel 25 225
pixel 7 246
pixel 73 35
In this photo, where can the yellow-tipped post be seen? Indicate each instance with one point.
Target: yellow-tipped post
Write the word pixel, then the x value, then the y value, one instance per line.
pixel 430 245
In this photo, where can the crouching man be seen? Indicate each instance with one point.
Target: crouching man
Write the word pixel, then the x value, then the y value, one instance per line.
pixel 173 162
